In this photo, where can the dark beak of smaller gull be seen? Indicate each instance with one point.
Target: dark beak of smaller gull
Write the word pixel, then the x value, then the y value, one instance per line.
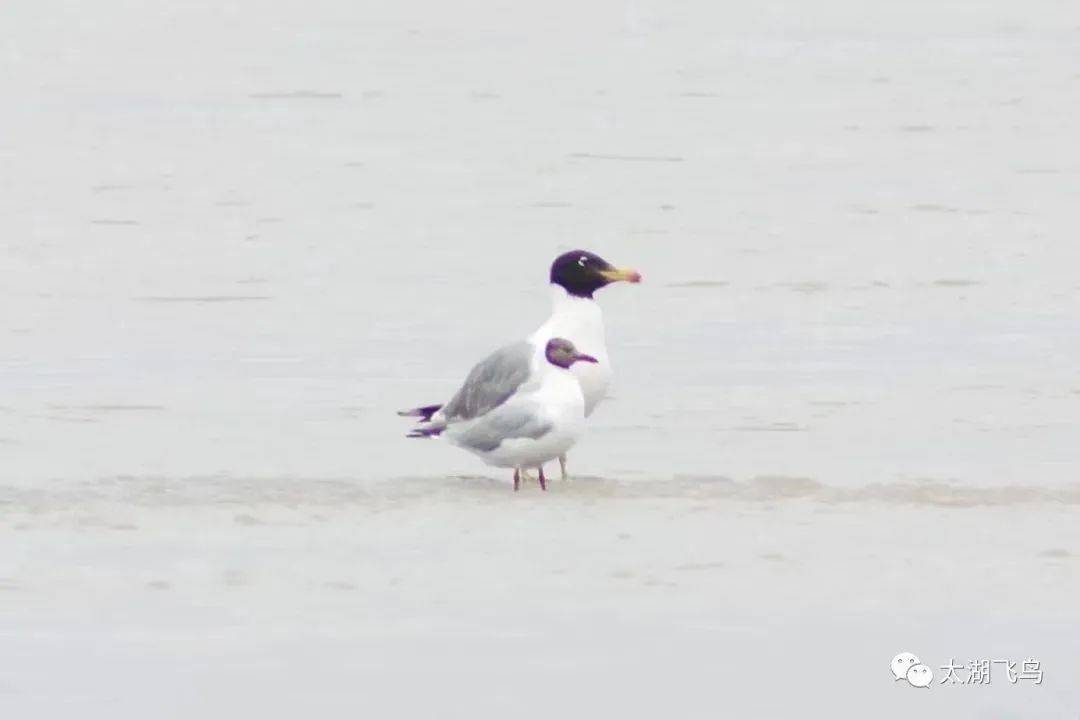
pixel 624 274
pixel 585 358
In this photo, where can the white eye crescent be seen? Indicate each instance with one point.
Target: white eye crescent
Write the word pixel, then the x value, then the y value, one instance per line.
pixel 582 260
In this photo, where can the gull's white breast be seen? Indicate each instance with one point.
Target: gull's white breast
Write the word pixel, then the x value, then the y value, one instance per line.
pixel 580 321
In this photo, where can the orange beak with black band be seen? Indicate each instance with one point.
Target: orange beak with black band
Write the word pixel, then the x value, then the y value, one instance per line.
pixel 621 274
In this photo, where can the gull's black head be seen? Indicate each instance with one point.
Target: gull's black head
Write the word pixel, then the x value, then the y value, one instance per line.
pixel 582 273
pixel 562 353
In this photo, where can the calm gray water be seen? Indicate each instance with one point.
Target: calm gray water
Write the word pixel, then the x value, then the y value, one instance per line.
pixel 238 257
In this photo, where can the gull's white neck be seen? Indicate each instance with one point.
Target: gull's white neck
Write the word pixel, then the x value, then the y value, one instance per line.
pixel 577 319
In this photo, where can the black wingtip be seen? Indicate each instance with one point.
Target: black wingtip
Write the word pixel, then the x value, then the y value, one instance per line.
pixel 425 432
pixel 424 412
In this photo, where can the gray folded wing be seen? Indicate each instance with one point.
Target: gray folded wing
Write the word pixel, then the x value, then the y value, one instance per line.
pixel 513 420
pixel 491 382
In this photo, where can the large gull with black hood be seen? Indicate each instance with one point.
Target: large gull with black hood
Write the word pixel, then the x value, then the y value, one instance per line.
pixel 575 277
pixel 575 315
pixel 518 408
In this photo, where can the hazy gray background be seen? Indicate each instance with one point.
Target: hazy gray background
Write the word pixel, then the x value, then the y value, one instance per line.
pixel 236 236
